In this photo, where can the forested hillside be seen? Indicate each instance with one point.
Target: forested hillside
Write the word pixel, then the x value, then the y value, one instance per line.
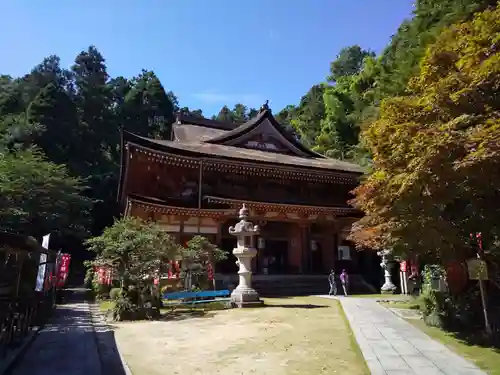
pixel 73 118
pixel 64 124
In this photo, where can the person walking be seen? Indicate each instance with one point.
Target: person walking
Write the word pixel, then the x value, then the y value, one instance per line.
pixel 344 279
pixel 333 283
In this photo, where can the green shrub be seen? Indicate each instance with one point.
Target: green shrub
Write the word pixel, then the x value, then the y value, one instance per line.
pixel 115 293
pixel 124 309
pixel 433 307
pixel 466 310
pixel 89 277
pixel 101 291
pixel 134 295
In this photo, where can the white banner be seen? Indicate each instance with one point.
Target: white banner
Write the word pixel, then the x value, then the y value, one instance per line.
pixel 42 267
pixel 40 277
pixel 45 241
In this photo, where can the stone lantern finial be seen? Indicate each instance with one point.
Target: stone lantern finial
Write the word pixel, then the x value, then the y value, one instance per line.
pixel 244 212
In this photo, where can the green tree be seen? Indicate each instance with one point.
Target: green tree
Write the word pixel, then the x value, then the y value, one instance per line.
pixel 198 255
pixel 93 100
pixel 53 111
pixel 98 133
pixel 345 103
pixel 435 150
pixel 400 60
pixel 240 113
pixel 149 109
pixel 348 63
pixel 224 115
pixel 49 71
pixel 191 112
pixel 252 112
pixel 136 249
pixel 286 115
pixel 307 117
pixel 37 196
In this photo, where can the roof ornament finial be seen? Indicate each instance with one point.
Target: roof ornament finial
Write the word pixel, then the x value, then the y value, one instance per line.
pixel 265 106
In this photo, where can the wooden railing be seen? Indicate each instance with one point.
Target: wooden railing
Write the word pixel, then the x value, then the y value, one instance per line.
pixel 19 316
pixel 21 307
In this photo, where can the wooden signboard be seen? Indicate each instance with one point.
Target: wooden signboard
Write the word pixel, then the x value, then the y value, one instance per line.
pixel 456 274
pixel 478 269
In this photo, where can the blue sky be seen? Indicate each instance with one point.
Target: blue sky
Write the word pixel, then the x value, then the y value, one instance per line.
pixel 209 52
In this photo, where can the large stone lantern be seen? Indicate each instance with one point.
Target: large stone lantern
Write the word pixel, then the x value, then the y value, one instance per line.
pixel 244 295
pixel 387 265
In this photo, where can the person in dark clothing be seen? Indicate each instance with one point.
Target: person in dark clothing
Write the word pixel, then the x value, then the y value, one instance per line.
pixel 333 283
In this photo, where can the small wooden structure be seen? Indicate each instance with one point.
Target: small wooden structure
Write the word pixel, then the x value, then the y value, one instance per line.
pixel 21 307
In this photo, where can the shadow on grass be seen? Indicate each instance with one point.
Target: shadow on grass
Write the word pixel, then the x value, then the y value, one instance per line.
pixel 474 336
pixel 296 306
pixel 178 315
pixel 477 338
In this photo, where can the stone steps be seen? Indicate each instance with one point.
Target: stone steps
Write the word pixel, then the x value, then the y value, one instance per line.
pixel 299 285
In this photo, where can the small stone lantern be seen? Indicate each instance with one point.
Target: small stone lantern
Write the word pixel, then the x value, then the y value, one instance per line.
pixel 387 265
pixel 244 295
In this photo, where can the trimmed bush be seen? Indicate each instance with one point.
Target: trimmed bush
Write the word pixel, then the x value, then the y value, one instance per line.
pixel 115 293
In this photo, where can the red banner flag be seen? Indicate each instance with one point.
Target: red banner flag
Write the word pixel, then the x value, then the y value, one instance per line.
pixel 108 276
pixel 63 269
pixel 210 271
pixel 170 270
pixel 403 266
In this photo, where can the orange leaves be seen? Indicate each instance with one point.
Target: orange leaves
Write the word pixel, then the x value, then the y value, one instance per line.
pixel 437 150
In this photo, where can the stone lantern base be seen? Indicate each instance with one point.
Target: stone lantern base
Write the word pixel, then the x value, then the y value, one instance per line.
pixel 388 290
pixel 246 297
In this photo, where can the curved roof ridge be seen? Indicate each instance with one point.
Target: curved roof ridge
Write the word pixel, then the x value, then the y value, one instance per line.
pixel 182 118
pixel 204 149
pixel 256 121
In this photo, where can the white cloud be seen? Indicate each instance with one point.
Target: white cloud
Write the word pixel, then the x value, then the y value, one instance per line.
pixel 214 97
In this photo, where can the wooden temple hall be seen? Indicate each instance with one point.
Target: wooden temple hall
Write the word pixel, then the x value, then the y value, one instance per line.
pixel 195 183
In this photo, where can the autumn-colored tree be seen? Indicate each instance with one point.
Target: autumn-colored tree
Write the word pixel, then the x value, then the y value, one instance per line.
pixel 436 152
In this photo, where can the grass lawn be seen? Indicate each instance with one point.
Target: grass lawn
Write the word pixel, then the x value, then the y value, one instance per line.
pixel 106 305
pixel 300 335
pixel 487 359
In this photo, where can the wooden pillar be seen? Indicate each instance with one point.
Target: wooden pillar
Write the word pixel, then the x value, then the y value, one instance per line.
pixel 181 230
pixel 304 248
pixel 295 248
pixel 329 248
pixel 336 244
pixel 218 235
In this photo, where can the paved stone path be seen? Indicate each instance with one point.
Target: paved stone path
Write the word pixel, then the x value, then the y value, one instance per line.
pixel 393 346
pixel 72 344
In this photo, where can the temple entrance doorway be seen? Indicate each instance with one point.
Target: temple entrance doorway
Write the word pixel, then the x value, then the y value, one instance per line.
pixel 228 265
pixel 273 259
pixel 317 258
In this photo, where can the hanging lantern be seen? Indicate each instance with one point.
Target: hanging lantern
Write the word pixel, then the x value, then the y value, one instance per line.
pixel 261 243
